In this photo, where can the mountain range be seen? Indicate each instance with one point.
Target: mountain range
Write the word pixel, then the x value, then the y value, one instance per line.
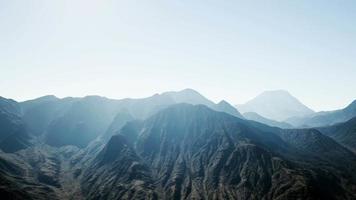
pixel 174 145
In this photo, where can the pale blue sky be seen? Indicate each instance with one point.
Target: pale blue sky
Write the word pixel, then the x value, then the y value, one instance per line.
pixel 229 50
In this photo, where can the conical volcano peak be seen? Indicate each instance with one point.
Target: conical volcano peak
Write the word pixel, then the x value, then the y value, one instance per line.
pixel 276 104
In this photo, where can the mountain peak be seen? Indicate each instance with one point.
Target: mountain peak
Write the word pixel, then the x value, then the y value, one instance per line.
pixel 189 90
pixel 45 98
pixel 277 105
pixel 280 91
pixel 277 94
pixel 224 106
pixel 188 96
pixel 223 102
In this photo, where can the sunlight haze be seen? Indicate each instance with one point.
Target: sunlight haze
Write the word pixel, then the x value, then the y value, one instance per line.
pixel 232 51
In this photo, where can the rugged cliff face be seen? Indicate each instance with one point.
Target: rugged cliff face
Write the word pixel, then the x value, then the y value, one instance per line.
pixel 192 152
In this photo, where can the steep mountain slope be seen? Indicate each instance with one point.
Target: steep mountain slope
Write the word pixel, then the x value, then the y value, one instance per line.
pixel 118 122
pixel 277 105
pixel 344 133
pixel 258 118
pixel 18 179
pixel 118 173
pixel 13 132
pixel 224 106
pixel 325 118
pixel 84 121
pixel 10 106
pixel 39 113
pixel 320 149
pixel 192 152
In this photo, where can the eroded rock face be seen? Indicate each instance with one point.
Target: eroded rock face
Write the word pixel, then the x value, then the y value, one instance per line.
pixel 192 152
pixel 118 168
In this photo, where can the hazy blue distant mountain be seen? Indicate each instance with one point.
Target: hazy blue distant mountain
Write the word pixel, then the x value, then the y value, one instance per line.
pixel 118 122
pixel 78 121
pixel 188 96
pixel 85 120
pixel 193 97
pixel 39 113
pixel 224 106
pixel 344 133
pixel 26 105
pixel 10 106
pixel 277 105
pixel 145 107
pixel 258 118
pixel 325 118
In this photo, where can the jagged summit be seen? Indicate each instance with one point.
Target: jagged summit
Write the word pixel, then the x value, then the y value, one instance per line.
pixel 224 106
pixel 223 102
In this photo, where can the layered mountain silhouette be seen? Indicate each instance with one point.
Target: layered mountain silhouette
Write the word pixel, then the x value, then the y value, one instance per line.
pixel 258 118
pixel 325 118
pixel 174 145
pixel 78 121
pixel 277 105
pixel 344 133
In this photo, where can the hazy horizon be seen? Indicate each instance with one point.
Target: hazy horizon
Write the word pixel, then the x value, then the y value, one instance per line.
pixel 231 51
pixel 140 97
